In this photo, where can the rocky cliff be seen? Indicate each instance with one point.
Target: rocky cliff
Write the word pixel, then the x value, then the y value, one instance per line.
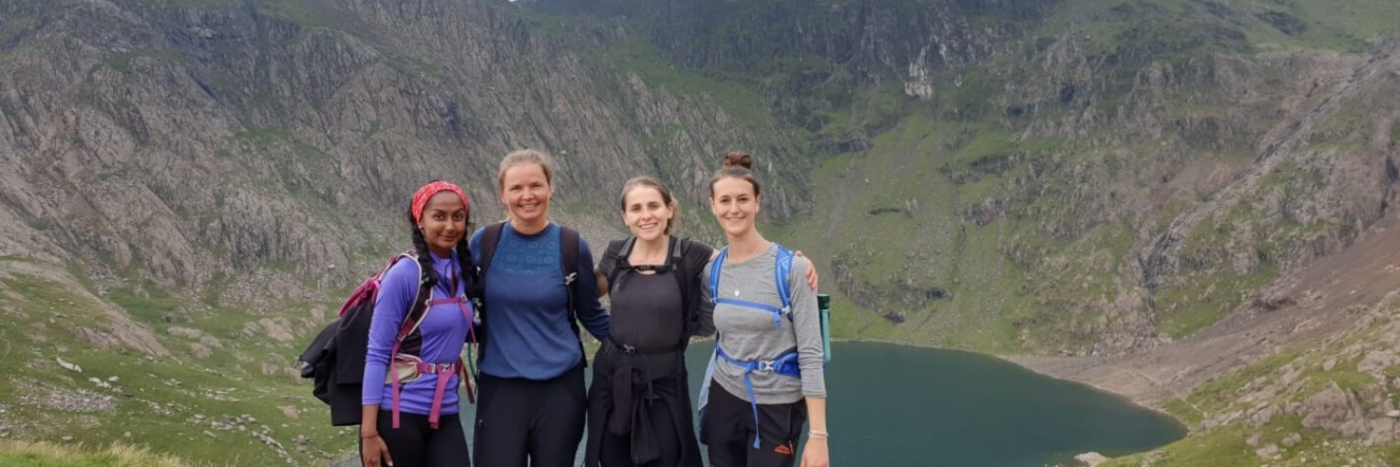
pixel 189 183
pixel 186 141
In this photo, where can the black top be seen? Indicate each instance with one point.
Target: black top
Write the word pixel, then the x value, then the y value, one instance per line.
pixel 646 310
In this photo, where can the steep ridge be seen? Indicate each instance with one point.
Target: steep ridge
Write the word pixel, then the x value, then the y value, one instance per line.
pixel 1323 299
pixel 217 138
pixel 188 184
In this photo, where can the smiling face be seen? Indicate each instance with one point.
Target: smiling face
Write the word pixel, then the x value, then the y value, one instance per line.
pixel 525 190
pixel 735 205
pixel 646 213
pixel 444 222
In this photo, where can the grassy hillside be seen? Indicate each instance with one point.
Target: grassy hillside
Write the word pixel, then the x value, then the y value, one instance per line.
pixel 1326 402
pixel 1010 211
pixel 228 378
pixel 30 454
pixel 993 181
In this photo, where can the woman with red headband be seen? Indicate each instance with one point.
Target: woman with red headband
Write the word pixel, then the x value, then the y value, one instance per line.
pixel 411 420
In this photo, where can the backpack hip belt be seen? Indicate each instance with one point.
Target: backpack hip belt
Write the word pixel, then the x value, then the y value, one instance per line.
pixel 410 368
pixel 444 372
pixel 418 366
pixel 785 364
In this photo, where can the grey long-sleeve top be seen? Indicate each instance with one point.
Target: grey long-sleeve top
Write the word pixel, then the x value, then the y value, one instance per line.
pixel 749 334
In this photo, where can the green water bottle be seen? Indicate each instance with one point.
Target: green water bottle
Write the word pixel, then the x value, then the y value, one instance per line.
pixel 824 308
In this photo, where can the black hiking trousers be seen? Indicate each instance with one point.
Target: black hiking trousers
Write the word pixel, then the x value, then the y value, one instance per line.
pixel 728 427
pixel 519 419
pixel 417 444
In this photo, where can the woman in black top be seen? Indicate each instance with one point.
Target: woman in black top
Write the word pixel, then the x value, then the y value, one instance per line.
pixel 639 411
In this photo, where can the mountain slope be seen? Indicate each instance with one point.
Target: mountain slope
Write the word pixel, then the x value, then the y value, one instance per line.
pixel 189 185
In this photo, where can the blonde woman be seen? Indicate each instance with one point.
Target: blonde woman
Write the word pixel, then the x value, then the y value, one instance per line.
pixel 531 361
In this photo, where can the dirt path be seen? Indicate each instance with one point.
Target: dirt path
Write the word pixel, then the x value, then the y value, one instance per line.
pixel 1312 302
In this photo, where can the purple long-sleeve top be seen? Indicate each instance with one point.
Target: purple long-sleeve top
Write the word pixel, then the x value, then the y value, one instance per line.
pixel 444 332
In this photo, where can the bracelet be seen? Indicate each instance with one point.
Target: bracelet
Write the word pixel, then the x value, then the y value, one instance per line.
pixel 814 434
pixel 368 436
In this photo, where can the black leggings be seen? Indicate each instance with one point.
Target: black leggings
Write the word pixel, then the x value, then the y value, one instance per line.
pixel 518 418
pixel 416 444
pixel 729 429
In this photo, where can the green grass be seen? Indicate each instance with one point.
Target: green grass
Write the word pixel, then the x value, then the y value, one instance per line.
pixel 415 66
pixel 1223 448
pixel 124 62
pixel 166 402
pixel 373 131
pixel 986 145
pixel 296 12
pixel 918 208
pixel 191 3
pixel 642 58
pixel 1314 24
pixel 553 26
pixel 147 302
pixel 1203 299
pixel 30 454
pixel 262 136
pixel 1239 391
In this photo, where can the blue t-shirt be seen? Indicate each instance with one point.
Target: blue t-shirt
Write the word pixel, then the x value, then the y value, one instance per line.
pixel 527 302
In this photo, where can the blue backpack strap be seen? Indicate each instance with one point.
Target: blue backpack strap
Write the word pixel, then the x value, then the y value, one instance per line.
pixel 714 273
pixel 783 292
pixel 782 270
pixel 785 364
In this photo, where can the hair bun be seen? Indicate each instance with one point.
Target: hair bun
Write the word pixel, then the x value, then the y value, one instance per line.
pixel 741 159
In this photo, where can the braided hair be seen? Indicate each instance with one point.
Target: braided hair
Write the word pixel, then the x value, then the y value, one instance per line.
pixel 465 263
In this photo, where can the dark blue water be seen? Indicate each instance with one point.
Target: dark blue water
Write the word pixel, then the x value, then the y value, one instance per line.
pixel 895 406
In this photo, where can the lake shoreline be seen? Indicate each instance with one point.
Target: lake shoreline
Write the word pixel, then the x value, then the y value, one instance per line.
pixel 1064 369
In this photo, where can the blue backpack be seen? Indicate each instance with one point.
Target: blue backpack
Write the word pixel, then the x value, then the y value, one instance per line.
pixel 785 364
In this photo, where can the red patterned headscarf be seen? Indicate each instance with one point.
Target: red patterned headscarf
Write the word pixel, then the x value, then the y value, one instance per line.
pixel 420 199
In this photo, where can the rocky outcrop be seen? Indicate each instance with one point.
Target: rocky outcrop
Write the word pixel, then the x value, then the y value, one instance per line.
pixel 185 143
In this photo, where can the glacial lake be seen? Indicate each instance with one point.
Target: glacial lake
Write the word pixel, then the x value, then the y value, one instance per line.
pixel 899 406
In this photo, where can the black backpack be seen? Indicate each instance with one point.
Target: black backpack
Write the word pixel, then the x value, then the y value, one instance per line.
pixel 335 360
pixel 618 250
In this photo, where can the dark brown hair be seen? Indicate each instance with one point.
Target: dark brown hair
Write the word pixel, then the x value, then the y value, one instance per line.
pixel 648 182
pixel 736 165
pixel 466 265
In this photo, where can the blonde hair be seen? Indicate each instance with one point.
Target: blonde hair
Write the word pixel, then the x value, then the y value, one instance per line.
pixel 526 156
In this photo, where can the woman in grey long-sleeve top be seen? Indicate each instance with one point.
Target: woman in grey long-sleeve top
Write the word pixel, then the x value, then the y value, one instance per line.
pixel 767 379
